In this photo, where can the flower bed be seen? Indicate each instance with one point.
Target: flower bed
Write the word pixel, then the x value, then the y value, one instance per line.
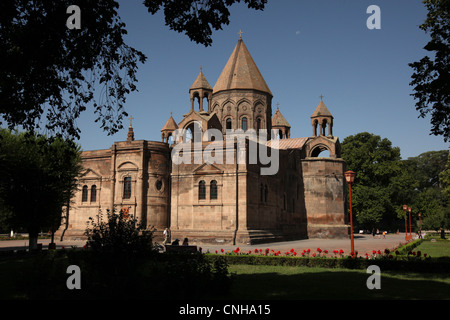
pixel 401 258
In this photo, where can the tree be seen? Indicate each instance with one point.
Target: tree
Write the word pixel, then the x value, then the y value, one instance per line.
pixel 376 163
pixel 38 177
pixel 197 17
pixel 428 168
pixel 431 77
pixel 50 72
pixel 431 197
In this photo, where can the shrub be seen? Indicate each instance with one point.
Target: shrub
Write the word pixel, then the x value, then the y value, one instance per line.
pixel 120 233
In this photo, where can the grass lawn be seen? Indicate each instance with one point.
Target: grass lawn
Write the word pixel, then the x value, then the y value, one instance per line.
pixel 28 278
pixel 280 282
pixel 440 248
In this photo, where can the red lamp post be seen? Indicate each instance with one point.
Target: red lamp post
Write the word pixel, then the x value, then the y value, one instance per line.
pixel 350 178
pixel 410 236
pixel 420 221
pixel 406 225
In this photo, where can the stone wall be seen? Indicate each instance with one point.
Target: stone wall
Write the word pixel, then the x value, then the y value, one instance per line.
pixel 323 183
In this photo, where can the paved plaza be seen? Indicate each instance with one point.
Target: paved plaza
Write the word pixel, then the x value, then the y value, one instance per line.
pixel 363 243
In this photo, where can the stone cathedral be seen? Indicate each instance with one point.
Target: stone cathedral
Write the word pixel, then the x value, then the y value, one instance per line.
pixel 221 202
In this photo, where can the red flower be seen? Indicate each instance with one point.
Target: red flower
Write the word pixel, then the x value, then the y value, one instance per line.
pixel 319 250
pixel 292 250
pixel 221 250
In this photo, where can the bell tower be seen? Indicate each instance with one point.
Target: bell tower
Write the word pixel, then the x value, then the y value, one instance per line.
pixel 280 126
pixel 321 119
pixel 201 89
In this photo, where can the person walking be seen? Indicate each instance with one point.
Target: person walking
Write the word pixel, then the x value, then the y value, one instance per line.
pixel 166 234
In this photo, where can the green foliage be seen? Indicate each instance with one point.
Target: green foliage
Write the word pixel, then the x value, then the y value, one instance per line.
pixel 376 163
pixel 430 198
pixel 430 77
pixel 119 234
pixel 122 257
pixel 38 178
pixel 50 70
pixel 197 18
pixel 384 183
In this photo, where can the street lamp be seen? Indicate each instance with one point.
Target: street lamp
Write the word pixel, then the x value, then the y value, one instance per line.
pixel 406 226
pixel 420 221
pixel 410 236
pixel 420 227
pixel 350 178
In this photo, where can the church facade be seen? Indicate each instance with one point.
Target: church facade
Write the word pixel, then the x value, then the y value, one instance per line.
pixel 212 200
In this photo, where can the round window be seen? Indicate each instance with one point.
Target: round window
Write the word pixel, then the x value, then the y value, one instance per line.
pixel 158 185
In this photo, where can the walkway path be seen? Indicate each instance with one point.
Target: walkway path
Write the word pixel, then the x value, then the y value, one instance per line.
pixel 363 243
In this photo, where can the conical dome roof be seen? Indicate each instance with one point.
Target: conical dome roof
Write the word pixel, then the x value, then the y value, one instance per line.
pixel 321 111
pixel 241 72
pixel 201 82
pixel 278 120
pixel 170 125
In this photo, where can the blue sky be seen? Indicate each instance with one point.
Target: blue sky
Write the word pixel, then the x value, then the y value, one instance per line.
pixel 303 49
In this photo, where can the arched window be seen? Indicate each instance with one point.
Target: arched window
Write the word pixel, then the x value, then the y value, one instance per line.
pixel 94 193
pixel 213 190
pixel 229 123
pixel 244 124
pixel 201 190
pixel 258 125
pixel 84 194
pixel 127 188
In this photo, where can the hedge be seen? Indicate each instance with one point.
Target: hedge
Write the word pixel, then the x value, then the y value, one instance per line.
pixel 408 263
